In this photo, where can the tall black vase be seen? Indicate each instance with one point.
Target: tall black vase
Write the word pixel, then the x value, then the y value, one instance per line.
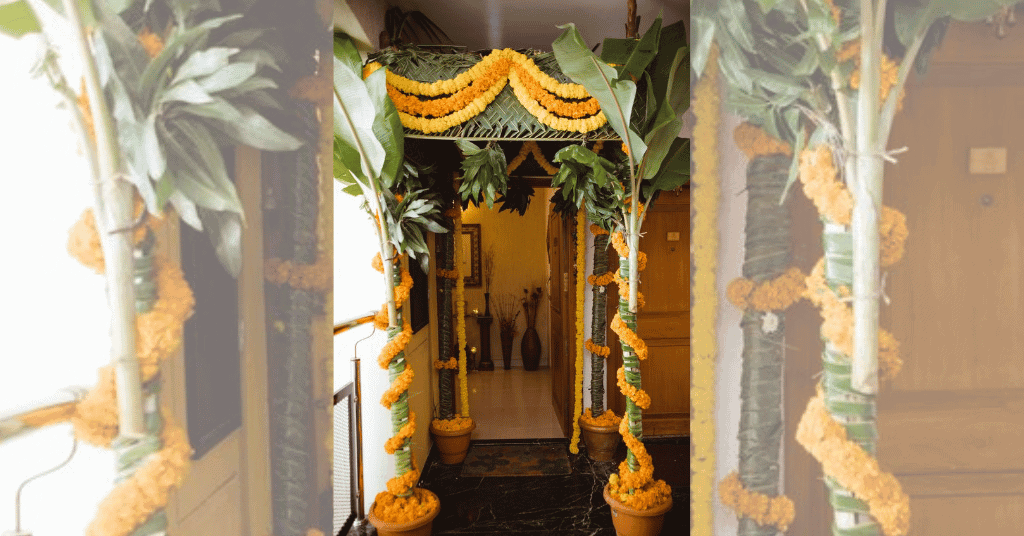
pixel 487 304
pixel 530 349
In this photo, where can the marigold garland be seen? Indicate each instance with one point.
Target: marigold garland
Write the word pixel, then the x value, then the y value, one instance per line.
pixel 447 274
pixel 775 295
pixel 853 468
pixel 402 483
pixel 528 148
pixel 608 418
pixel 468 94
pixel 151 42
pixel 405 509
pixel 754 142
pixel 764 510
pixel 460 319
pixel 450 364
pixel 819 177
pixel 581 267
pixel 638 396
pixel 594 348
pixel 705 192
pixel 95 418
pixel 454 424
pixel 311 277
pixel 890 72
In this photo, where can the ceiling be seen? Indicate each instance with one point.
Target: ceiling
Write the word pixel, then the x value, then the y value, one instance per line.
pixel 488 24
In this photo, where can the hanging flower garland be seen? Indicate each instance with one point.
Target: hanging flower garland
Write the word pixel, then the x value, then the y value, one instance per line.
pixel 460 319
pixel 827 440
pixel 528 148
pixel 581 266
pixel 95 419
pixel 311 277
pixel 704 244
pixel 774 295
pixel 441 105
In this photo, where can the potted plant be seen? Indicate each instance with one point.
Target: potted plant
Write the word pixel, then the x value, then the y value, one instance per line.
pixel 530 347
pixel 369 161
pixel 656 160
pixel 507 312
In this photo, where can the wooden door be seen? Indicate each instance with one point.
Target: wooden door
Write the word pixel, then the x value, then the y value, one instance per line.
pixel 559 244
pixel 664 322
pixel 951 424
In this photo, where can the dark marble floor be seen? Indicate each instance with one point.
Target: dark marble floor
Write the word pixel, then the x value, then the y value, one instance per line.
pixel 532 505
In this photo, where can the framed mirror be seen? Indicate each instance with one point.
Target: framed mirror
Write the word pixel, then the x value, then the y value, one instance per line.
pixel 470 254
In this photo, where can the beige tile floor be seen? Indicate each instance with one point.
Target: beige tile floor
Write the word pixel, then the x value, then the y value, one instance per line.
pixel 512 404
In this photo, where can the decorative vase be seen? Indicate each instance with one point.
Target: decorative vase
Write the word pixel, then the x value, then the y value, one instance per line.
pixel 453 445
pixel 506 348
pixel 602 441
pixel 629 521
pixel 530 349
pixel 419 527
pixel 487 304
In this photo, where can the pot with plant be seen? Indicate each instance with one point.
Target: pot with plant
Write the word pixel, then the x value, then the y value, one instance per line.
pixel 530 347
pixel 507 312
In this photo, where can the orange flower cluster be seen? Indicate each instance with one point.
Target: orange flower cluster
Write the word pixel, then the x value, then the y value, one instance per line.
pixel 401 484
pixel 818 175
pixel 638 396
pixel 393 509
pixel 83 106
pixel 454 424
pixel 440 107
pixel 395 442
pixel 397 387
pixel 151 42
pixel 381 320
pixel 594 228
pixel 597 349
pixel 95 418
pixel 853 468
pixel 774 295
pixel 528 148
pixel 311 277
pixel 619 243
pixel 451 364
pixel 892 228
pixel 889 75
pixel 573 109
pixel 606 278
pixel 608 418
pixel 637 489
pixel 764 510
pixel 755 142
pixel 447 274
pixel 629 337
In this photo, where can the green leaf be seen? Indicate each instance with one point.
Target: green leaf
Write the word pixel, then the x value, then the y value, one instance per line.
pixel 387 126
pixel 84 9
pixel 228 77
pixel 616 51
pixel 154 75
pixel 704 34
pixel 184 206
pixel 615 96
pixel 18 19
pixel 794 167
pixel 256 131
pixel 225 232
pixel 259 57
pixel 353 121
pixel 218 108
pixel 675 171
pixel 203 63
pixel 151 147
pixel 346 52
pixel 644 51
pixel 186 91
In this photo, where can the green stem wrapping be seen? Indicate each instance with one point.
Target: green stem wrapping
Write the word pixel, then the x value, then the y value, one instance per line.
pixel 446 380
pixel 767 256
pixel 632 368
pixel 854 410
pixel 400 409
pixel 598 326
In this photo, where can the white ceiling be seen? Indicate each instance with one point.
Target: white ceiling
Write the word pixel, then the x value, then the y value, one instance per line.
pixel 488 24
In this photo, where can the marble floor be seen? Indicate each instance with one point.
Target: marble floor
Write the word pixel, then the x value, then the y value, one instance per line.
pixel 512 404
pixel 534 505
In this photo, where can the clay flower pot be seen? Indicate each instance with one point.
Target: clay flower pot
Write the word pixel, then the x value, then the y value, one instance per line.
pixel 419 527
pixel 602 441
pixel 629 521
pixel 453 445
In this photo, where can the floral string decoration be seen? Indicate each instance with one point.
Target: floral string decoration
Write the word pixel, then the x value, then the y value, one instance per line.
pixel 581 265
pixel 528 148
pixel 311 277
pixel 754 142
pixel 844 460
pixel 95 419
pixel 764 510
pixel 774 295
pixel 705 192
pixel 460 320
pixel 440 105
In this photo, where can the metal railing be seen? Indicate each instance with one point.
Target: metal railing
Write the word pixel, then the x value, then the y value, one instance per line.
pixel 348 401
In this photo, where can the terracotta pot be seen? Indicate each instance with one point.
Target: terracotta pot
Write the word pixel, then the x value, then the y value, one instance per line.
pixel 602 441
pixel 420 527
pixel 506 349
pixel 629 521
pixel 453 445
pixel 530 349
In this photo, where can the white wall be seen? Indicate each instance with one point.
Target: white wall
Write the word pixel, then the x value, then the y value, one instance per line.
pixel 56 319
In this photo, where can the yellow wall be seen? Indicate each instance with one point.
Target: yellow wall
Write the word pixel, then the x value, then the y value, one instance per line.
pixel 520 261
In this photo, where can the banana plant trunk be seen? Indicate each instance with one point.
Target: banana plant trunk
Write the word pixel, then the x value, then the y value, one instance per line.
pixel 767 256
pixel 446 376
pixel 400 409
pixel 598 327
pixel 631 364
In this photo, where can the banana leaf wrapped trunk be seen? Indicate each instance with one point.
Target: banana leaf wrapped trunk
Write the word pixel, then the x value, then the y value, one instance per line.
pixel 767 255
pixel 598 327
pixel 446 376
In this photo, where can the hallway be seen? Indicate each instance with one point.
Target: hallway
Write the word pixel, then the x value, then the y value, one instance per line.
pixel 512 404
